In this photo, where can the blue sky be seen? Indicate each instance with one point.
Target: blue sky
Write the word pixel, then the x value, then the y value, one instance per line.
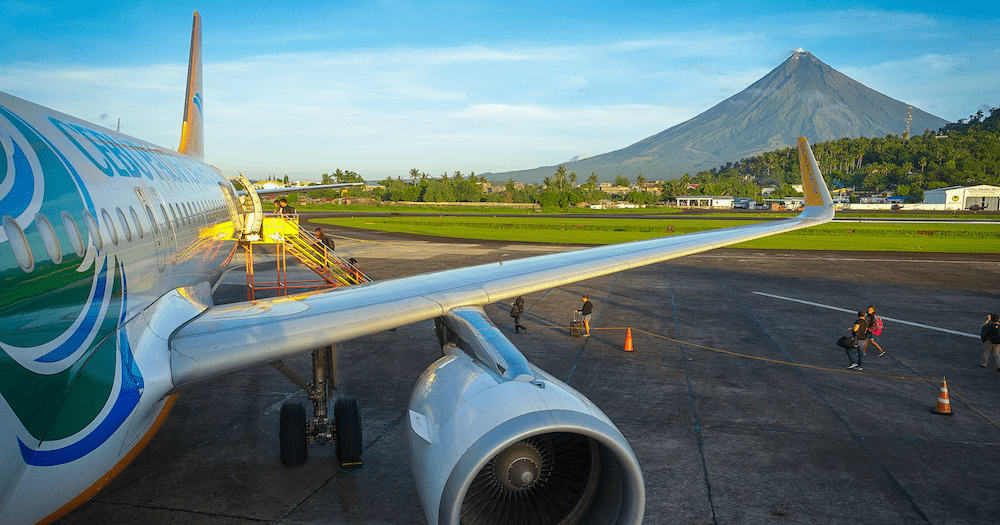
pixel 380 87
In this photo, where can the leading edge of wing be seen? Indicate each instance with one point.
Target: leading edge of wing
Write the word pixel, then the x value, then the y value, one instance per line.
pixel 303 189
pixel 231 337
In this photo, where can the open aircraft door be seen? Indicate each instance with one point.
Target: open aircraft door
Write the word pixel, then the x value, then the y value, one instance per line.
pixel 253 212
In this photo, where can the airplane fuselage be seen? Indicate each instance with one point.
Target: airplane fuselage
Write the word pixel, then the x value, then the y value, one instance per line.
pixel 97 227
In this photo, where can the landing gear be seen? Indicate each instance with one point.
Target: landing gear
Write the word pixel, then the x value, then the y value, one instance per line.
pixel 296 432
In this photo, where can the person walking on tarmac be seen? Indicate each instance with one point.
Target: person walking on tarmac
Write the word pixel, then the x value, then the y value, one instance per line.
pixel 857 333
pixel 874 330
pixel 516 311
pixel 585 311
pixel 990 336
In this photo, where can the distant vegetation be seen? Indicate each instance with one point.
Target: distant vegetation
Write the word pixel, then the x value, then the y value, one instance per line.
pixel 957 237
pixel 966 153
pixel 960 154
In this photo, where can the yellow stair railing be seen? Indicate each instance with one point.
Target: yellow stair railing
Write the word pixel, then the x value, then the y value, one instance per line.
pixel 289 237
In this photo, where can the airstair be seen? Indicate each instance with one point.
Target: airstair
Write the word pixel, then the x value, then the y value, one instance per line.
pixel 284 235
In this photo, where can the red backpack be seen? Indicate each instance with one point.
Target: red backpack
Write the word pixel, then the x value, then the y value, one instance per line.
pixel 876 327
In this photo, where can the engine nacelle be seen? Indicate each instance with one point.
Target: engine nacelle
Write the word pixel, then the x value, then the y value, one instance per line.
pixel 494 440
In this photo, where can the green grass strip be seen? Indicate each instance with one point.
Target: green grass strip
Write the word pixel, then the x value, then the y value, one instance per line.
pixel 905 237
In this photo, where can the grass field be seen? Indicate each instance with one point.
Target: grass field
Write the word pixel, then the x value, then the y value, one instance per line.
pixel 927 237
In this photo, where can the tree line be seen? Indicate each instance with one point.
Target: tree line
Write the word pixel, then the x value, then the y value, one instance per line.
pixel 965 153
pixel 960 154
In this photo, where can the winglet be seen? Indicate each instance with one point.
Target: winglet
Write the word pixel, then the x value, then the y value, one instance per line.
pixel 192 134
pixel 813 186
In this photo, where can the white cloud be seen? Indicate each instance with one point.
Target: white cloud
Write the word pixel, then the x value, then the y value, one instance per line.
pixel 471 107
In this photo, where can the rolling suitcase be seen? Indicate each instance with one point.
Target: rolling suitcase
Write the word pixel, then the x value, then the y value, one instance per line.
pixel 576 326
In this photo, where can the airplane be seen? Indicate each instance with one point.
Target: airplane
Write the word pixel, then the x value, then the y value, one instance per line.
pixel 109 247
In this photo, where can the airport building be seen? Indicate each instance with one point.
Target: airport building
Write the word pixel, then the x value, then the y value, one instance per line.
pixel 964 197
pixel 705 201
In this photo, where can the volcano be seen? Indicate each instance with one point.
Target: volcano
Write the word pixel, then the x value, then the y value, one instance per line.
pixel 801 97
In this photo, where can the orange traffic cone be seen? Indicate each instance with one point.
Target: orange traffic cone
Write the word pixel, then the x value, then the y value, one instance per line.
pixel 943 404
pixel 628 340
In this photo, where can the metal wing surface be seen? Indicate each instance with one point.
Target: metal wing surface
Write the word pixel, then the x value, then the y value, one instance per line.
pixel 303 189
pixel 235 336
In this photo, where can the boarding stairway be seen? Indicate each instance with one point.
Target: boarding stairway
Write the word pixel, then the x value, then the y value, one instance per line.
pixel 284 235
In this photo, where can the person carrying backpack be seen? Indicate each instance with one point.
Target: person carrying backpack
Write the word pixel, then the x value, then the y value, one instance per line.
pixel 990 336
pixel 874 329
pixel 516 311
pixel 857 333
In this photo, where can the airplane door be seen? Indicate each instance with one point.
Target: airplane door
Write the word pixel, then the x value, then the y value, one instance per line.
pixel 154 228
pixel 253 211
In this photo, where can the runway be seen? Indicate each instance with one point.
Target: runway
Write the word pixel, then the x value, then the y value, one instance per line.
pixel 736 401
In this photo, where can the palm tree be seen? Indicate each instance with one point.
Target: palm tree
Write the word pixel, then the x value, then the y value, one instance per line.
pixel 414 174
pixel 560 177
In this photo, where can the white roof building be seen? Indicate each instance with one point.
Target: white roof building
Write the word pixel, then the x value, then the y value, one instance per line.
pixel 963 197
pixel 705 201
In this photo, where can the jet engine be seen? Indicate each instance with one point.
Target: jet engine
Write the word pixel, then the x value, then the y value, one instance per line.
pixel 495 441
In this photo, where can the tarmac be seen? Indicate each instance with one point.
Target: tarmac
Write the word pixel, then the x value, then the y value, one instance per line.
pixel 737 403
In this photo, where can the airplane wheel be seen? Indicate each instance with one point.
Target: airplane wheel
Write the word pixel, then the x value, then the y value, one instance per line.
pixel 292 435
pixel 348 419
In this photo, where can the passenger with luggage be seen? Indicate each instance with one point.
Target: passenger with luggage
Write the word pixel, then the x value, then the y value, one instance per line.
pixel 856 334
pixel 516 311
pixel 874 329
pixel 585 312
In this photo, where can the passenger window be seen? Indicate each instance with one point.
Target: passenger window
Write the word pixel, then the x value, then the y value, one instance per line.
pixel 93 230
pixel 138 223
pixel 19 244
pixel 125 227
pixel 74 233
pixel 166 219
pixel 110 225
pixel 48 238
pixel 153 227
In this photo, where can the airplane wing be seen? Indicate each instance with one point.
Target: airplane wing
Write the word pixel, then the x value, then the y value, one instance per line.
pixel 235 336
pixel 484 424
pixel 300 189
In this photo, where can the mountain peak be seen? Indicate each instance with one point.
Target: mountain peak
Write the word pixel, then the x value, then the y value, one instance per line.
pixel 801 97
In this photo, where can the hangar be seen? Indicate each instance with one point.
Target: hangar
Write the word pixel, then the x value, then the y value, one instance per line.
pixel 984 197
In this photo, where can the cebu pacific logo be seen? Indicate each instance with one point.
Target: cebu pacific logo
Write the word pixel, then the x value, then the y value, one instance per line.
pixel 68 375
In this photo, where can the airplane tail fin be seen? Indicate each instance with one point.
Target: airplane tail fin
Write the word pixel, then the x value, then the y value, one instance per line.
pixel 813 186
pixel 192 134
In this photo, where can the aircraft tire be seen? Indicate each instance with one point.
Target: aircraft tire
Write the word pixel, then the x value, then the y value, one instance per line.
pixel 292 435
pixel 348 418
